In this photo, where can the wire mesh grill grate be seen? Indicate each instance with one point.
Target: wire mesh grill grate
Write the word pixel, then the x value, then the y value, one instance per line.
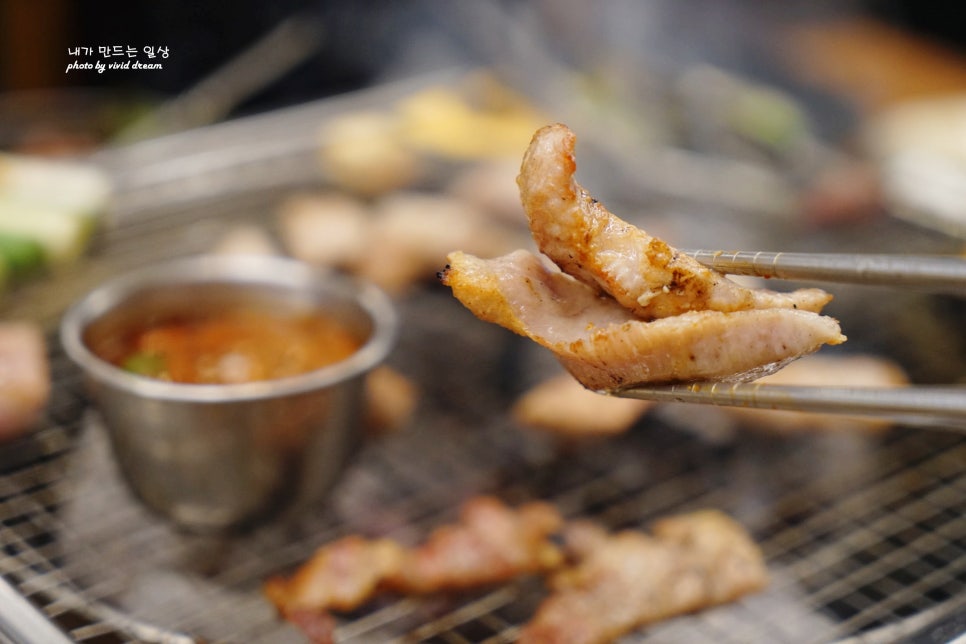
pixel 863 533
pixel 853 546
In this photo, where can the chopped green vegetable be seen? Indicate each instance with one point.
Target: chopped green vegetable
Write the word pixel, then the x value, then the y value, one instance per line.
pixel 48 210
pixel 145 364
pixel 20 256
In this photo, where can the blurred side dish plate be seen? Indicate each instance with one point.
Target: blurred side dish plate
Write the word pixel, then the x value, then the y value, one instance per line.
pixel 48 211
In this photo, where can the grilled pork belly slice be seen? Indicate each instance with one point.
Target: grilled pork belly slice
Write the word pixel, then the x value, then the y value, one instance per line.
pixel 602 584
pixel 491 543
pixel 24 377
pixel 342 575
pixel 628 579
pixel 391 400
pixel 325 228
pixel 605 347
pixel 562 406
pixel 643 273
pixel 412 233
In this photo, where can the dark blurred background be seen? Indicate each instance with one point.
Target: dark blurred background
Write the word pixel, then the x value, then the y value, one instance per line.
pixel 355 41
pixel 359 41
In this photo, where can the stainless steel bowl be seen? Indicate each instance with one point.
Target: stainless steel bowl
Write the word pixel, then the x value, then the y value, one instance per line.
pixel 217 457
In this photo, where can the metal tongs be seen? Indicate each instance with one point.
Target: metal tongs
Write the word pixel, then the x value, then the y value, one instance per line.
pixel 915 404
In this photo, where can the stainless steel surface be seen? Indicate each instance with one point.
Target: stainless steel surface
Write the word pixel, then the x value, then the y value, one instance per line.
pixel 937 274
pixel 22 623
pixel 221 456
pixel 931 405
pixel 863 534
pixel 922 404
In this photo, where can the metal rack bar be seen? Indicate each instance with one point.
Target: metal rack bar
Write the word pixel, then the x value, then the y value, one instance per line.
pixel 22 623
pixel 922 404
pixel 936 273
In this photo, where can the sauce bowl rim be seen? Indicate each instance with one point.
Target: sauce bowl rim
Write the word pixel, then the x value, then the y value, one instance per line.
pixel 279 272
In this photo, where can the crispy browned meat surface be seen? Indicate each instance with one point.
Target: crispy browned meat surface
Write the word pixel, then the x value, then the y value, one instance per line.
pixel 629 579
pixel 625 308
pixel 641 272
pixel 603 585
pixel 605 347
pixel 340 576
pixel 520 292
pixel 491 543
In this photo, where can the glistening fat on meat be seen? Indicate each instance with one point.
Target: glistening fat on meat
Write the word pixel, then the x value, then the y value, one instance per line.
pixel 627 579
pixel 605 347
pixel 621 307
